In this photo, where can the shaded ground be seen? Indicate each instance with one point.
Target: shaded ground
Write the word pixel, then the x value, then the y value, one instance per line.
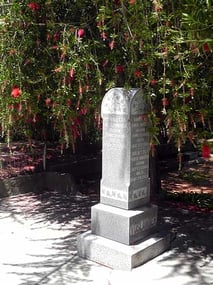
pixel 22 158
pixel 193 178
pixel 38 234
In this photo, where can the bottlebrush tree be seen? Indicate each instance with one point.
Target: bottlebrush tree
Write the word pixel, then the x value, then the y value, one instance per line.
pixel 58 60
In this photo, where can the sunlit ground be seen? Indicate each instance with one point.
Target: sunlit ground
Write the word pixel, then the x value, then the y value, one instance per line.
pixel 38 245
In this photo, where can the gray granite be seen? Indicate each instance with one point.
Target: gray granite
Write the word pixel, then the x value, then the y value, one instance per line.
pixel 127 227
pixel 38 182
pixel 123 224
pixel 119 256
pixel 125 164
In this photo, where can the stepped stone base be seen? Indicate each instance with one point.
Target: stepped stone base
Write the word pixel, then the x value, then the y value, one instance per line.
pixel 120 256
pixel 124 226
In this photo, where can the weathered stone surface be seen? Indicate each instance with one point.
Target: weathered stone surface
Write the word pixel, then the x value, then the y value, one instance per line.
pixel 135 195
pixel 127 227
pixel 125 216
pixel 119 256
pixel 38 182
pixel 125 163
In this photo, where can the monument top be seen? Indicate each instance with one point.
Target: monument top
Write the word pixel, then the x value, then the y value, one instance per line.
pixel 121 101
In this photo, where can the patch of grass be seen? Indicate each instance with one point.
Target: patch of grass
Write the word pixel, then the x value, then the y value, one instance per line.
pixel 201 200
pixel 194 177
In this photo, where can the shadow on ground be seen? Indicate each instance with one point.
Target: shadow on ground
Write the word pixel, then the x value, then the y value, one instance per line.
pixel 192 250
pixel 38 240
pixel 38 234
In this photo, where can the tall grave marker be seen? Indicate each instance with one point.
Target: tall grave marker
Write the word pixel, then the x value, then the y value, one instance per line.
pixel 123 225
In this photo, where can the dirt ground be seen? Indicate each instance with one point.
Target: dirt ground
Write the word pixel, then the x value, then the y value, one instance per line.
pixel 192 178
pixel 20 159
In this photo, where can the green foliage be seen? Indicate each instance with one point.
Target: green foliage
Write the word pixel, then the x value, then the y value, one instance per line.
pixel 194 177
pixel 62 56
pixel 199 200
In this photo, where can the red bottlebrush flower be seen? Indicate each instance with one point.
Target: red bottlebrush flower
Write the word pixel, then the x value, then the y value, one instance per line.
pixel 16 92
pixel 54 47
pixel 119 68
pixel 116 2
pixel 68 79
pixel 56 37
pixel 98 24
pixel 112 45
pixel 165 102
pixel 81 33
pixel 69 102
pixel 29 120
pixel 131 2
pixel 206 47
pixel 153 82
pixel 75 131
pixel 175 95
pixel 11 107
pixel 77 122
pixel 164 50
pixel 49 37
pixel 54 104
pixel 34 6
pixel 80 89
pixel 83 111
pixel 72 72
pixel 104 63
pixel 103 36
pixel 18 107
pixel 12 51
pixel 27 61
pixel 36 118
pixel 206 151
pixel 48 102
pixel 137 73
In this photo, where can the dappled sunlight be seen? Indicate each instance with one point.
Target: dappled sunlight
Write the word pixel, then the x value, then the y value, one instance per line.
pixel 38 244
pixel 38 233
pixel 197 178
pixel 192 250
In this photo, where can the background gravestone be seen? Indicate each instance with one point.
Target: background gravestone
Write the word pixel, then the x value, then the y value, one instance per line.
pixel 124 215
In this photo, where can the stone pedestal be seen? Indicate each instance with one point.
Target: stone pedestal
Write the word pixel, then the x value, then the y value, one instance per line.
pixel 123 226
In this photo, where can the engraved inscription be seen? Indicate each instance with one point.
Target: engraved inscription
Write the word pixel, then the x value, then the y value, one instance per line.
pixel 115 132
pixel 138 159
pixel 137 194
pixel 143 225
pixel 113 194
pixel 139 149
pixel 125 154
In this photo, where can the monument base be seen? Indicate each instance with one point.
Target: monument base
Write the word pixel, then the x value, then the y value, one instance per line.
pixel 120 256
pixel 123 226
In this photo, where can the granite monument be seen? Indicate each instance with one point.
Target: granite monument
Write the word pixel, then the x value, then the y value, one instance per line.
pixel 124 231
